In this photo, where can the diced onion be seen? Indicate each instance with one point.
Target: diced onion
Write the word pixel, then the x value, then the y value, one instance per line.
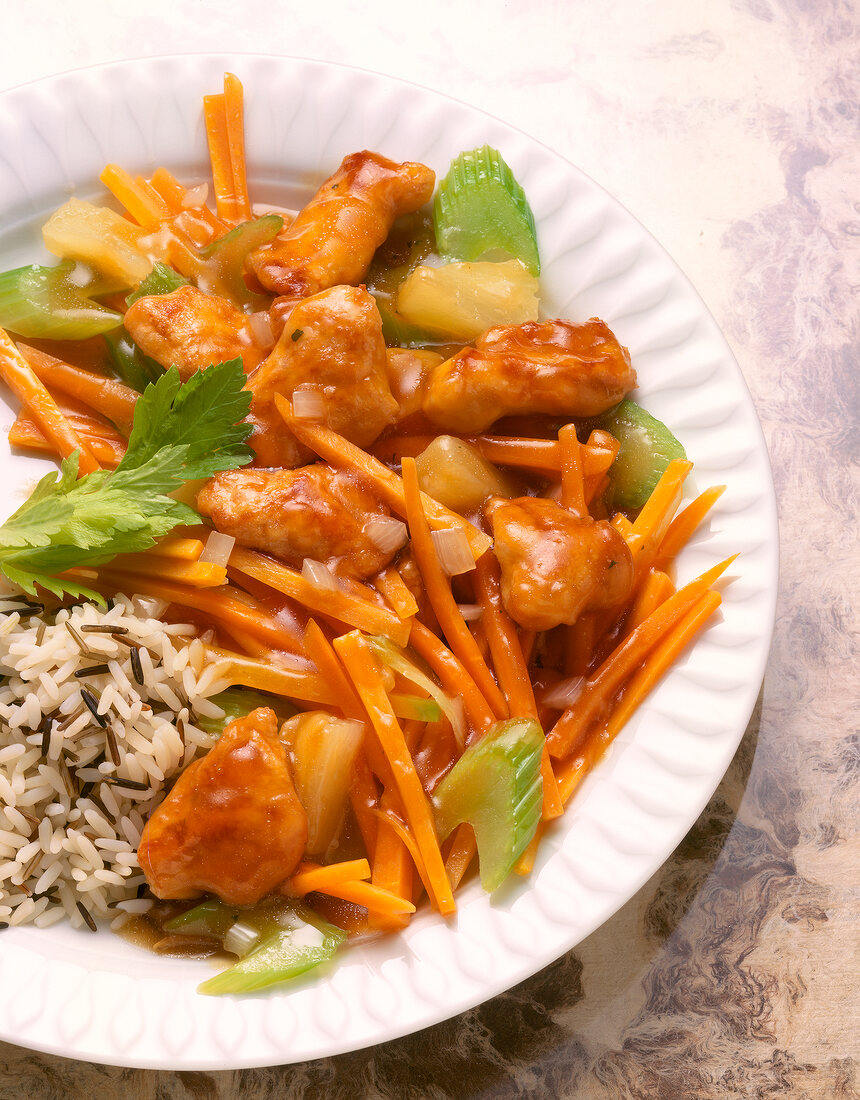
pixel 453 551
pixel 260 209
pixel 241 938
pixel 261 327
pixel 196 196
pixel 308 402
pixel 563 694
pixel 218 548
pixel 386 533
pixel 318 573
pixel 471 612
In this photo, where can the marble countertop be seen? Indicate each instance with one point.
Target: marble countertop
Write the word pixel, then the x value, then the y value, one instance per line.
pixel 730 129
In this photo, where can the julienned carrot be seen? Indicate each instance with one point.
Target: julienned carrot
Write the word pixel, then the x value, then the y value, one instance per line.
pixel 175 195
pixel 452 674
pixel 235 122
pixel 319 650
pixel 175 546
pixel 364 672
pixel 106 445
pixel 147 211
pixel 374 898
pixel 21 379
pixel 328 601
pixel 314 876
pixel 393 869
pixel 685 523
pixel 572 484
pixel 199 574
pixel 407 838
pixel 504 641
pixel 396 593
pixel 342 454
pixel 269 675
pixel 364 800
pixel 572 727
pixel 461 852
pixel 105 396
pixel 656 515
pixel 215 119
pixel 438 586
pixel 223 606
pixel 598 454
pixel 525 864
pixel 656 588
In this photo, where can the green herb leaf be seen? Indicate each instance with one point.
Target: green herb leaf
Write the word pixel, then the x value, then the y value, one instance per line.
pixel 180 432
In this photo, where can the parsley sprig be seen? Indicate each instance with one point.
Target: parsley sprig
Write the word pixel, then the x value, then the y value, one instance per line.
pixel 181 431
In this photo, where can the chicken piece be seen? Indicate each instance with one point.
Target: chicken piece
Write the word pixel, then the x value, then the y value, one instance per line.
pixel 232 825
pixel 334 237
pixel 334 342
pixel 560 368
pixel 555 565
pixel 192 330
pixel 315 512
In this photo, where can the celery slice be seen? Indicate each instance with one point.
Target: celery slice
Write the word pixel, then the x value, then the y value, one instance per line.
pixel 647 448
pixel 224 261
pixel 481 212
pixel 236 702
pixel 210 918
pixel 46 302
pixel 128 361
pixel 496 786
pixel 394 658
pixel 161 280
pixel 415 707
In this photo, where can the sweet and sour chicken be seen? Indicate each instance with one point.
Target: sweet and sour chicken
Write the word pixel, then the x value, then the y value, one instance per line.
pixel 334 237
pixel 233 824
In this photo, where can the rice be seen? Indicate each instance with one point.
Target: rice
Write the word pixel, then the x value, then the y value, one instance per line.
pixel 98 713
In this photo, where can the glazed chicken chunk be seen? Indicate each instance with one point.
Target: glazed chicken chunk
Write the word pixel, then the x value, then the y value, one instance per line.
pixel 555 565
pixel 192 330
pixel 232 825
pixel 332 342
pixel 555 367
pixel 334 237
pixel 314 512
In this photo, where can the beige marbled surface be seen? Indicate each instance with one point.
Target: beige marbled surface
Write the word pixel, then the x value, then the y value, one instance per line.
pixel 730 128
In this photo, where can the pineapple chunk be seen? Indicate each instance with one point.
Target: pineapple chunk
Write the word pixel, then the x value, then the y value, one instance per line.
pixel 462 300
pixel 458 476
pixel 100 237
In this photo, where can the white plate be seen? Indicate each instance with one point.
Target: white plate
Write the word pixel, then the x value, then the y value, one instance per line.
pixel 96 997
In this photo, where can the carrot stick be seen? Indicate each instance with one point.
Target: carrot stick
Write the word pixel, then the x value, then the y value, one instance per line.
pixel 215 119
pixel 683 525
pixel 173 546
pixel 146 210
pixel 339 605
pixel 452 674
pixel 105 396
pixel 342 454
pixel 20 378
pixel 320 651
pixel 461 853
pixel 599 689
pixel 656 515
pixel 504 641
pixel 364 672
pixel 313 876
pixel 375 899
pixel 223 607
pixel 656 588
pixel 525 864
pixel 454 627
pixel 572 485
pixel 173 193
pixel 363 798
pixel 108 448
pixel 235 122
pixel 408 840
pixel 393 869
pixel 200 574
pixel 396 592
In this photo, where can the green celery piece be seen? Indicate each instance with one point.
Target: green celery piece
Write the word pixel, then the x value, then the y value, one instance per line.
pixel 647 448
pixel 44 302
pixel 161 280
pixel 496 786
pixel 180 432
pixel 410 241
pixel 481 212
pixel 210 918
pixel 415 707
pixel 128 361
pixel 397 660
pixel 277 959
pixel 236 702
pixel 225 260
